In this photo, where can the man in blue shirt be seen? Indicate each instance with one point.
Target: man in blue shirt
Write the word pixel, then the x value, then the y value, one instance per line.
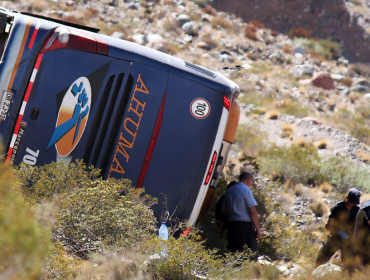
pixel 242 218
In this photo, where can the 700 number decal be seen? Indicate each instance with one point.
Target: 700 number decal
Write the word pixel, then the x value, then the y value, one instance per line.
pixel 200 108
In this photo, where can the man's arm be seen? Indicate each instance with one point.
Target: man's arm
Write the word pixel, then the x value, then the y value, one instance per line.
pixel 254 217
pixel 329 226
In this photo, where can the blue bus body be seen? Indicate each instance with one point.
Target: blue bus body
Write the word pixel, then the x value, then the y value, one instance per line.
pixel 69 93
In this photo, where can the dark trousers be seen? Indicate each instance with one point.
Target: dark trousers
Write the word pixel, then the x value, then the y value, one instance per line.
pixel 333 244
pixel 240 234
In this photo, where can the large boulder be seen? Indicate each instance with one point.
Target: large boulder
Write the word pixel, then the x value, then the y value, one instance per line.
pixel 118 35
pixel 190 29
pixel 323 271
pixel 360 85
pixel 140 39
pixel 305 69
pixel 323 80
pixel 182 19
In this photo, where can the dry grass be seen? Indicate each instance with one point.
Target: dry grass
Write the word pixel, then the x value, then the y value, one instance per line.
pixel 256 23
pixel 272 115
pixel 287 131
pixel 322 144
pixel 209 10
pixel 318 208
pixel 286 201
pixel 299 190
pixel 365 157
pixel 259 111
pixel 221 21
pixel 346 81
pixel 169 23
pixel 300 142
pixel 250 33
pixel 300 33
pixel 326 187
pixel 210 40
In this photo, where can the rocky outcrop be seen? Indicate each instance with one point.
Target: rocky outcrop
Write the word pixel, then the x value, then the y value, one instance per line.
pixel 335 19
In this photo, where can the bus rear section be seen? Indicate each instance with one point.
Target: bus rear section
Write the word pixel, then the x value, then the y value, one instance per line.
pixel 174 153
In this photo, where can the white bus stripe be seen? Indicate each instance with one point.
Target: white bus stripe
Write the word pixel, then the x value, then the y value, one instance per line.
pixel 13 140
pixel 34 73
pixel 24 104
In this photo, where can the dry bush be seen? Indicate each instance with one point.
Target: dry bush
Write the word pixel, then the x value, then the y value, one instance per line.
pixel 209 10
pixel 210 40
pixel 352 97
pixel 274 33
pixel 73 19
pixel 251 27
pixel 287 50
pixel 318 208
pixel 272 115
pixel 300 142
pixel 287 131
pixel 169 23
pixel 299 33
pixel 346 81
pixel 286 201
pixel 221 21
pixel 326 187
pixel 255 116
pixel 365 157
pixel 90 13
pixel 322 144
pixel 258 111
pixel 250 138
pixel 173 48
pixel 249 33
pixel 302 90
pixel 256 23
pixel 299 190
pixel 362 69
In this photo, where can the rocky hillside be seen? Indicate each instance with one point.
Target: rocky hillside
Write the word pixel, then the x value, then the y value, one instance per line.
pixel 346 22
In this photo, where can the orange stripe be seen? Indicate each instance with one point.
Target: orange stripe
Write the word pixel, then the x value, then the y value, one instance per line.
pixel 20 53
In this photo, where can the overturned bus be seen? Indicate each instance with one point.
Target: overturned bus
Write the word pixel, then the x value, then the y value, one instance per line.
pixel 67 92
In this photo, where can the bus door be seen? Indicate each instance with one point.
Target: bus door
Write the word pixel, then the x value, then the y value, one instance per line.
pixel 69 102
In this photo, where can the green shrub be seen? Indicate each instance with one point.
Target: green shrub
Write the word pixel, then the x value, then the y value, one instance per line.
pixel 294 109
pixel 281 237
pixel 324 47
pixel 96 217
pixel 42 183
pixel 294 164
pixel 23 242
pixel 250 138
pixel 58 265
pixel 343 174
pixel 187 258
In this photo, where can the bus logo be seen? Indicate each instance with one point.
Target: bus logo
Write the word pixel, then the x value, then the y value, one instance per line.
pixel 72 117
pixel 200 108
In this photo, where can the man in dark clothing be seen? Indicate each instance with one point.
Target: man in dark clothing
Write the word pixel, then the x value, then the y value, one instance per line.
pixel 221 218
pixel 362 233
pixel 341 225
pixel 242 218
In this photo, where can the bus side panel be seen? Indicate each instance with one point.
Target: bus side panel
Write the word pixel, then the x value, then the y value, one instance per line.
pixel 182 152
pixel 136 127
pixel 58 72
